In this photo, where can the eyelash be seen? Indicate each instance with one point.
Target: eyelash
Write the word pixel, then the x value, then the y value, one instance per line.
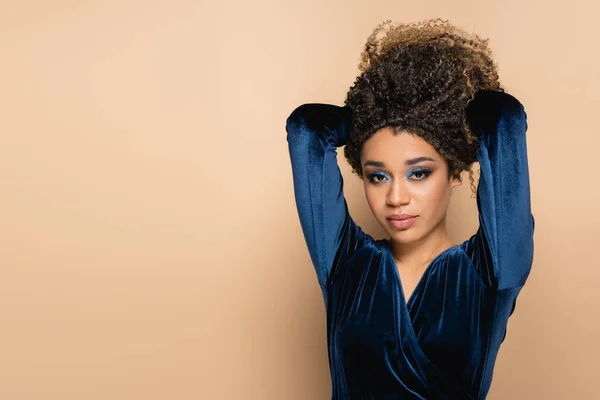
pixel 374 175
pixel 424 171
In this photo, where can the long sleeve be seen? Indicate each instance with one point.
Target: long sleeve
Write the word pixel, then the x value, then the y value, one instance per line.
pixel 314 131
pixel 502 248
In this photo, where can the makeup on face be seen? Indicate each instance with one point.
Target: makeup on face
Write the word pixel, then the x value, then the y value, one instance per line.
pixel 415 174
pixel 402 221
pixel 406 184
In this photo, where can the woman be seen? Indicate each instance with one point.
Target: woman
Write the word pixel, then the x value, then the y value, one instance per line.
pixel 414 316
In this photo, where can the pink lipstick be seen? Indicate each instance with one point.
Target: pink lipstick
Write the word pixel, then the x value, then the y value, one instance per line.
pixel 401 221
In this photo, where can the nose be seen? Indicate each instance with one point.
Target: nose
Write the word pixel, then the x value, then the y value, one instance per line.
pixel 398 194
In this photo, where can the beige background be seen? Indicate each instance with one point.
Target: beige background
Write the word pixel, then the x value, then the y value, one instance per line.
pixel 149 242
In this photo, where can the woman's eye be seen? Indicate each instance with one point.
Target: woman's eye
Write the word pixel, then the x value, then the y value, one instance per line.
pixel 377 178
pixel 419 174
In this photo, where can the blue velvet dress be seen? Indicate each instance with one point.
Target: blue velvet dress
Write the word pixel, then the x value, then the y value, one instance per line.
pixel 442 342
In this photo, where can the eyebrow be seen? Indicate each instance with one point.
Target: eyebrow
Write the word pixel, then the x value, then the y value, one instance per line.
pixel 412 161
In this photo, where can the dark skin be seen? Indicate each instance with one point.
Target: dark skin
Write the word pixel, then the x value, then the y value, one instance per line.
pixel 404 174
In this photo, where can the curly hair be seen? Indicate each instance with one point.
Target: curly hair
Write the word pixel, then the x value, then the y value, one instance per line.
pixel 419 78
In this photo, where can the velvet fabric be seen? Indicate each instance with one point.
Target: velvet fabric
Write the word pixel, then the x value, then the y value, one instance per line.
pixel 442 342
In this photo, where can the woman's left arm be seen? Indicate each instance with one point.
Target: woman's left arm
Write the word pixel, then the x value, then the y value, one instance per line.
pixel 502 248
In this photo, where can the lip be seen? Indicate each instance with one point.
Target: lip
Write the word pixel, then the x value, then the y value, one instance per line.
pixel 401 221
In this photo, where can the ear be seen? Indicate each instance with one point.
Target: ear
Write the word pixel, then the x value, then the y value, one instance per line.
pixel 455 180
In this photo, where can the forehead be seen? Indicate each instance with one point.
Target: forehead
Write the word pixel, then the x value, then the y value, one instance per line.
pixel 390 147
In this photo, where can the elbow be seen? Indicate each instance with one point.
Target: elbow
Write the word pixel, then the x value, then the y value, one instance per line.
pixel 327 121
pixel 304 114
pixel 296 122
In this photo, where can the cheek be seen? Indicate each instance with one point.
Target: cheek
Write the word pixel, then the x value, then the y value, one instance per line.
pixel 433 193
pixel 375 197
pixel 370 196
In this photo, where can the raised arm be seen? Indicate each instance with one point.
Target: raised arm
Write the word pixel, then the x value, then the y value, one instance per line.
pixel 502 248
pixel 314 131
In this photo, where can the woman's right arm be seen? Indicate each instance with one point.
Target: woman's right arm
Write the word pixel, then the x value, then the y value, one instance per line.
pixel 314 131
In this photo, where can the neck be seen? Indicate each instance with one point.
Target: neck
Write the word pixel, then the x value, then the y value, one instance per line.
pixel 417 254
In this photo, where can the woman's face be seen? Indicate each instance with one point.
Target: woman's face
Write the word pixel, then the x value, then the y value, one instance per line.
pixel 406 184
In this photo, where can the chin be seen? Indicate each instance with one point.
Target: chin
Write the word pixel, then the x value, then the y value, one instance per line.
pixel 406 236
